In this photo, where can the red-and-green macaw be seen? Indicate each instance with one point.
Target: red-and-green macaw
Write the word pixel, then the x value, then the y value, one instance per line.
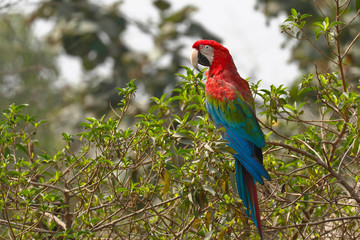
pixel 230 104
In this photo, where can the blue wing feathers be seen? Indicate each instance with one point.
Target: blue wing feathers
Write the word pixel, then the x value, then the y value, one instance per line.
pixel 245 136
pixel 246 158
pixel 245 149
pixel 239 120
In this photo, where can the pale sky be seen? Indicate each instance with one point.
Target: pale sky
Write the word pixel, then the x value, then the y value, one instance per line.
pixel 254 46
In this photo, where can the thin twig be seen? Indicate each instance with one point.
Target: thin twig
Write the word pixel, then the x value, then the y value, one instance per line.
pixel 350 45
pixel 99 227
pixel 321 163
pixel 316 223
pixel 20 226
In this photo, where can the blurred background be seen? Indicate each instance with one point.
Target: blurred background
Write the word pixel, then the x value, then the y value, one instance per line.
pixel 65 58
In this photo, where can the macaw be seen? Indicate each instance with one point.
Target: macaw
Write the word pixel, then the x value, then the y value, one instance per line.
pixel 230 105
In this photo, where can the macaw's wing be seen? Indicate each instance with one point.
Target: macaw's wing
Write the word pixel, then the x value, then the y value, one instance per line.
pixel 242 132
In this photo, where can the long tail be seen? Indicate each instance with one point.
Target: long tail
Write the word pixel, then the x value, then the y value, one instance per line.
pixel 246 186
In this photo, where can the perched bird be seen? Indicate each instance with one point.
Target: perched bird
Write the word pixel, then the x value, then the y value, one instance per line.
pixel 230 104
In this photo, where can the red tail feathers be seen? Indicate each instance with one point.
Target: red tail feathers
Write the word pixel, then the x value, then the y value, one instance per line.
pixel 254 206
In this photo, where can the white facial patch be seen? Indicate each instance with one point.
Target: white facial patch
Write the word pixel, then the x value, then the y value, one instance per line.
pixel 208 52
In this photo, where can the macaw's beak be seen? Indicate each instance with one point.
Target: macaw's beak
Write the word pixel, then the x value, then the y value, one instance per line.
pixel 198 58
pixel 194 59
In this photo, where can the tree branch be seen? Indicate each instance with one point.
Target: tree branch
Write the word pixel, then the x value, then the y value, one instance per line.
pixel 97 227
pixel 321 163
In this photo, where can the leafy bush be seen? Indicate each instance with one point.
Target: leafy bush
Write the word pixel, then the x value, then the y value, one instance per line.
pixel 167 177
pixel 315 193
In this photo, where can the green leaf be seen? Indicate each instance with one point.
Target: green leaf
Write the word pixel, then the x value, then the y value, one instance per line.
pixel 67 137
pixel 304 16
pixel 296 25
pixel 161 4
pixel 289 107
pixel 209 189
pixel 13 173
pixel 336 23
pixel 319 24
pixel 22 148
pixel 325 23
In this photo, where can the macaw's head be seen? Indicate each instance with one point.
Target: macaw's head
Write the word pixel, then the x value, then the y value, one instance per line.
pixel 211 54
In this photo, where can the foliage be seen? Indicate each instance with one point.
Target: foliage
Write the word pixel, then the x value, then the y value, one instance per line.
pixel 171 175
pixel 167 177
pixel 316 160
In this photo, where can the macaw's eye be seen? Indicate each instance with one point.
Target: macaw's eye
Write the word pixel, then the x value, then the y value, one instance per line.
pixel 207 49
